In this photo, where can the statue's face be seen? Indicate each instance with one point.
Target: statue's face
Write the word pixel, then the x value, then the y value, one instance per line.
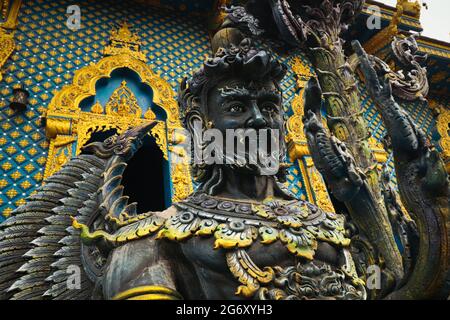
pixel 235 103
pixel 239 104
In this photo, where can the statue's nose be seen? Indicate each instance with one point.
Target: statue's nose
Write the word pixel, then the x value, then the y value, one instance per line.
pixel 256 120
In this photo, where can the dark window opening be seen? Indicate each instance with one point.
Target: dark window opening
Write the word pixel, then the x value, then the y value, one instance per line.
pixel 144 176
pixel 144 179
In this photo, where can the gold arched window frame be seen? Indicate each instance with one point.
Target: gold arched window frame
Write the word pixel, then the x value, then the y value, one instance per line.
pixel 68 127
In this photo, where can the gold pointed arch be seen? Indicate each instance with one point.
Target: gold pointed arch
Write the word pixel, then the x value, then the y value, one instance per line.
pixel 68 99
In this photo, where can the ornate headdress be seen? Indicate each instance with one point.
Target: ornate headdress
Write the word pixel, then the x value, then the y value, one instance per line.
pixel 242 60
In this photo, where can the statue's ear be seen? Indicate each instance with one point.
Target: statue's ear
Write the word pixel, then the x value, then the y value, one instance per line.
pixel 195 124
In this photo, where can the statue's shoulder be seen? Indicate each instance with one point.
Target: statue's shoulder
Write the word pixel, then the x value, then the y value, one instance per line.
pixel 297 224
pixel 296 215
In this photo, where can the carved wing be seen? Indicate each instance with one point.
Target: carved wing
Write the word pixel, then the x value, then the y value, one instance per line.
pixel 39 248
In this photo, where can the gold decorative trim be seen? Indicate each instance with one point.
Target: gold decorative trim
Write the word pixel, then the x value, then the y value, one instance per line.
pixel 318 185
pixel 60 151
pixel 67 100
pixel 123 41
pixel 148 293
pixel 11 14
pixel 424 48
pixel 385 36
pixel 408 19
pixel 309 191
pixel 442 125
pixel 297 145
pixel 7 46
pixel 247 272
pixel 182 183
pixel 379 152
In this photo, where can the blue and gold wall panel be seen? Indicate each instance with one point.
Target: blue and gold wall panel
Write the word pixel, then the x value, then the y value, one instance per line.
pixel 419 111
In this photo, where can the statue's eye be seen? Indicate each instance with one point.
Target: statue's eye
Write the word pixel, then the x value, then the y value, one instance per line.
pixel 236 108
pixel 269 107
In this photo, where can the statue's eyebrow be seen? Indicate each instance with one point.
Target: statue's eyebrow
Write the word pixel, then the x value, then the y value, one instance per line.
pixel 268 94
pixel 241 93
pixel 234 92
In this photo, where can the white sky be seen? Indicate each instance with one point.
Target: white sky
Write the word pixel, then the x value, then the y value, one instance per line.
pixel 435 21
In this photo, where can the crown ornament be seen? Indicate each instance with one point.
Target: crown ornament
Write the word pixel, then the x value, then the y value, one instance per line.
pixel 124 41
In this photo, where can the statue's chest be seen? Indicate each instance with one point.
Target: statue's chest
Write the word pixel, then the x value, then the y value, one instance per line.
pixel 266 227
pixel 199 250
pixel 257 244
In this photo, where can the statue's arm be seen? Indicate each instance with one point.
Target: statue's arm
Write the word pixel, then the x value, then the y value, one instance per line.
pixel 140 270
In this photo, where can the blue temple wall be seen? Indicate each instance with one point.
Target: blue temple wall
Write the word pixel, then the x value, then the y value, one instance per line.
pixel 419 111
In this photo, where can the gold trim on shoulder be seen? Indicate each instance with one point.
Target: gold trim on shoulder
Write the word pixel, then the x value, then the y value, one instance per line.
pixel 148 293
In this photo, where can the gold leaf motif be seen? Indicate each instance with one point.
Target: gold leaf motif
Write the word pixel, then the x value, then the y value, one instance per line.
pixel 442 124
pixel 268 234
pixel 7 46
pixel 128 233
pixel 249 284
pixel 123 41
pixel 181 181
pixel 320 190
pixel 149 114
pixel 97 108
pixel 331 231
pixel 290 221
pixel 299 242
pixel 234 234
pixel 262 211
pixel 247 272
pixel 139 229
pixel 159 133
pixel 180 226
pixel 207 227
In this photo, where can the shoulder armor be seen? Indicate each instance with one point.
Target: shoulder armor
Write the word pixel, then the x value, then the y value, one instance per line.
pixel 235 224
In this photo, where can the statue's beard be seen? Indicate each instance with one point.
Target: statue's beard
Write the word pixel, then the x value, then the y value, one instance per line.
pixel 262 161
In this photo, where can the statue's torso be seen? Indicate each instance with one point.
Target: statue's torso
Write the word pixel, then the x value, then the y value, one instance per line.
pixel 228 249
